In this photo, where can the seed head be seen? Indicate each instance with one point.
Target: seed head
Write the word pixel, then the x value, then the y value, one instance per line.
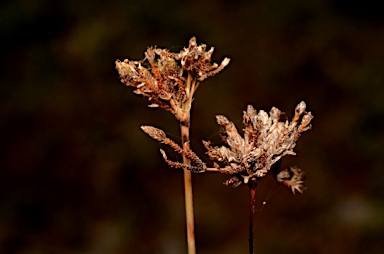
pixel 169 79
pixel 266 140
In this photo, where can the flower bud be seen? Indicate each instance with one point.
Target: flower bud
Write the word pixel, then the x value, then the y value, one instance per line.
pixel 154 133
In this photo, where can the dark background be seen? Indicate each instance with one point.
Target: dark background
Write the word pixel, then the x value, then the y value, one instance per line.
pixel 78 176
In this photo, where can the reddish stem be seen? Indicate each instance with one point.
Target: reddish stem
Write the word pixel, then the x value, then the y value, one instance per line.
pixel 252 193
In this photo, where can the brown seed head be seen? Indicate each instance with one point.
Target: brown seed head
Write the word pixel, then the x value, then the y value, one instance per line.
pixel 162 75
pixel 266 140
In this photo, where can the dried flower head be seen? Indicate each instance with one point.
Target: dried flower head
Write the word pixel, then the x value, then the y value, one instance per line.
pixel 266 139
pixel 168 79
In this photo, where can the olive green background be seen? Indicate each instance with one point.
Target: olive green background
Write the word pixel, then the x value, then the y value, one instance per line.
pixel 77 175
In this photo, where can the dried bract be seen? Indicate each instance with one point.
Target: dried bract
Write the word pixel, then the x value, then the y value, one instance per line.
pixel 292 177
pixel 168 79
pixel 154 133
pixel 266 140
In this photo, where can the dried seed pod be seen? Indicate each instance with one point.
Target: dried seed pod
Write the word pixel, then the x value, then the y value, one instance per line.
pixel 154 133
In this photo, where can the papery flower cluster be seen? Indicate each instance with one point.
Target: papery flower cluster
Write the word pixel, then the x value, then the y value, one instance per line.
pixel 266 140
pixel 168 79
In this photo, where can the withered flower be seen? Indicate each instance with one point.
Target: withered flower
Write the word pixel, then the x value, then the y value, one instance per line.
pixel 266 139
pixel 168 79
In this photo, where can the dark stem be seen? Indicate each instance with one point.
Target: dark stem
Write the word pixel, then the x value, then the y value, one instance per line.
pixel 252 192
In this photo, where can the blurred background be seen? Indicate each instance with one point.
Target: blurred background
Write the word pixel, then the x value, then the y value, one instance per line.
pixel 77 175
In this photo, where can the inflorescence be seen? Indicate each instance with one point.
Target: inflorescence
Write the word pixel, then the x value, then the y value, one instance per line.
pixel 168 79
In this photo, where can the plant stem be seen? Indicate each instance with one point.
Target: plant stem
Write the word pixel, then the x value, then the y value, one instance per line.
pixel 188 194
pixel 188 197
pixel 252 193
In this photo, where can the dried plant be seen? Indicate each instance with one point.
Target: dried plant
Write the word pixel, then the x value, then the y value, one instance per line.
pixel 266 140
pixel 169 80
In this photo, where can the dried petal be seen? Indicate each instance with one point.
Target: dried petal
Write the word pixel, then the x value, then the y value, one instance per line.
pixel 292 177
pixel 300 108
pixel 306 121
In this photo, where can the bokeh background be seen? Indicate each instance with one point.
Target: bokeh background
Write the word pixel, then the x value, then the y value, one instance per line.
pixel 78 176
